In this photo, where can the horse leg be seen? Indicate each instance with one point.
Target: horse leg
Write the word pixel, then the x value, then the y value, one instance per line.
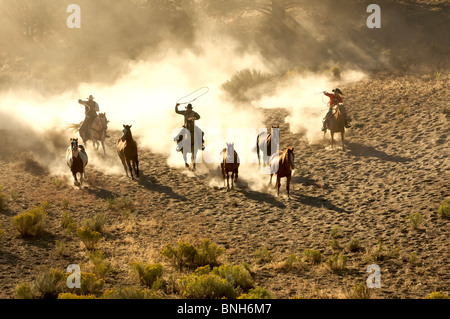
pixel 136 160
pixel 288 182
pixel 270 182
pixel 278 184
pixel 76 183
pixel 343 141
pixel 228 181
pixel 103 146
pixel 332 140
pixel 130 169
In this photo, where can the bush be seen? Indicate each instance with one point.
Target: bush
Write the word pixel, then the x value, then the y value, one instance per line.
pixel 243 86
pixel 354 245
pixel 90 284
pixel 148 273
pixel 49 284
pixel 416 220
pixel 208 286
pixel 437 295
pixel 360 291
pixel 238 276
pixel 2 199
pixel 67 222
pixel 313 255
pixel 30 223
pixel 208 253
pixel 68 295
pixel 2 232
pixel 190 256
pixel 101 267
pixel 378 253
pixel 263 256
pixel 256 293
pixel 293 262
pixel 130 293
pixel 337 262
pixel 96 223
pixel 24 291
pixel 181 256
pixel 336 72
pixel 88 237
pixel 444 209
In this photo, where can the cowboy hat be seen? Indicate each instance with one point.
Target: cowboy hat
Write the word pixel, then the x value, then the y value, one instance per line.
pixel 339 91
pixel 90 97
pixel 189 106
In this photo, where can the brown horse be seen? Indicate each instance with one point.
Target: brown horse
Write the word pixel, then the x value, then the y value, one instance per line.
pixel 77 159
pixel 128 151
pixel 230 163
pixel 282 164
pixel 336 124
pixel 268 143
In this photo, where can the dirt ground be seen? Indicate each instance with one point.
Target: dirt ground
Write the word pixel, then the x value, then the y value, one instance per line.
pixel 396 163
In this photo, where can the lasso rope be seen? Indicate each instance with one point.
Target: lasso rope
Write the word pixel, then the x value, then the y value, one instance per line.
pixel 193 93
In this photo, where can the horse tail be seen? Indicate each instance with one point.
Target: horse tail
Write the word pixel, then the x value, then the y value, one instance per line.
pixel 74 127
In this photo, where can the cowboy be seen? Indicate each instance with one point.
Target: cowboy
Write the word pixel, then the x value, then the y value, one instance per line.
pixel 90 110
pixel 190 116
pixel 335 99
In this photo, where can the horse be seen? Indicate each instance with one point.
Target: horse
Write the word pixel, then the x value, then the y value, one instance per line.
pixel 77 159
pixel 282 165
pixel 97 131
pixel 268 143
pixel 189 143
pixel 230 163
pixel 336 124
pixel 128 152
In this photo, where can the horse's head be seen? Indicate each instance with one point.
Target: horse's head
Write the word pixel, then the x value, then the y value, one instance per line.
pixel 126 132
pixel 74 144
pixel 291 157
pixel 103 120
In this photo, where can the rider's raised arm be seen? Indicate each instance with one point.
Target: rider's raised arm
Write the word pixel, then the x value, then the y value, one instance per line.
pixel 177 111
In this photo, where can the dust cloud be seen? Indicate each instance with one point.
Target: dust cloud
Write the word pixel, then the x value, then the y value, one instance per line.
pixel 138 58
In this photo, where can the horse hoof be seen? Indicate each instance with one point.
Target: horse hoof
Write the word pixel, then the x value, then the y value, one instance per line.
pixel 76 184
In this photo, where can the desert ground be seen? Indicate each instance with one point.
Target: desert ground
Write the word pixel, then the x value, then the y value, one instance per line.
pixel 396 163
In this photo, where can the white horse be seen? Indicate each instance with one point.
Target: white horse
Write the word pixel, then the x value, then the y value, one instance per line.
pixel 77 160
pixel 267 144
pixel 186 143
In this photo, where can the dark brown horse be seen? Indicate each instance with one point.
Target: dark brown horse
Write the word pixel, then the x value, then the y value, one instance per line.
pixel 128 151
pixel 268 144
pixel 282 165
pixel 230 163
pixel 336 124
pixel 77 160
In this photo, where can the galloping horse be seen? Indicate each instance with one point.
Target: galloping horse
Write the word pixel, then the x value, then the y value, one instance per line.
pixel 336 124
pixel 282 164
pixel 230 163
pixel 268 143
pixel 77 160
pixel 189 143
pixel 97 131
pixel 128 152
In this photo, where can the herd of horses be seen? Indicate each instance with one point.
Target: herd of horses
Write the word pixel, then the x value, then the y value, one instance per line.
pixel 277 162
